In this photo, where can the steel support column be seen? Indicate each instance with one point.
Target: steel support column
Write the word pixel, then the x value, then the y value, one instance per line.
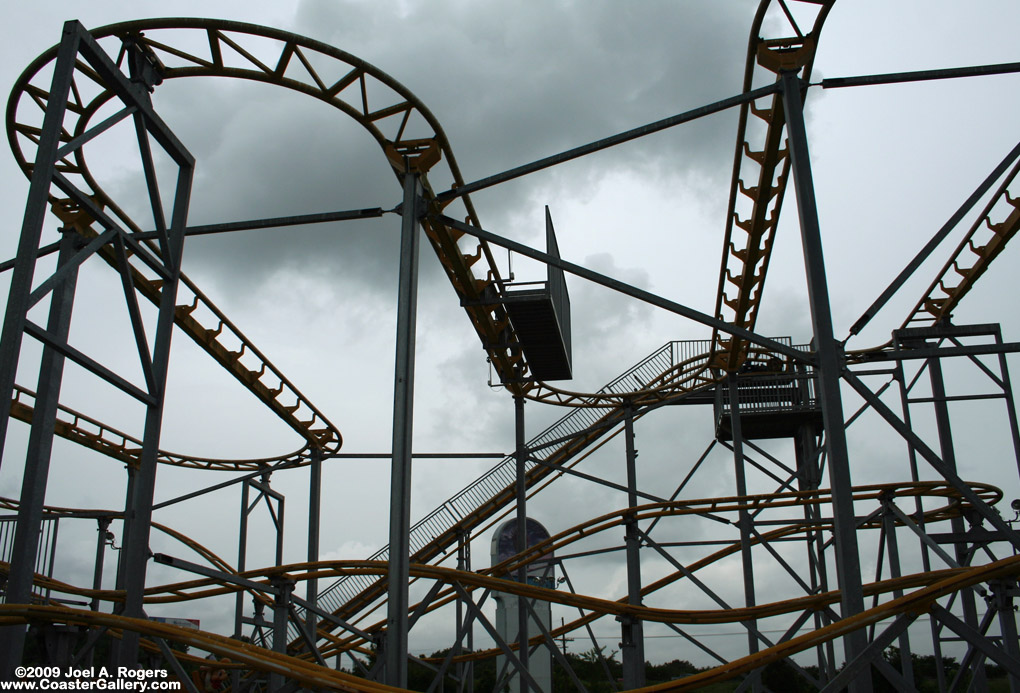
pixel 830 365
pixel 1002 600
pixel 895 572
pixel 521 458
pixel 281 610
pixel 278 517
pixel 32 223
pixel 138 510
pixel 97 572
pixel 138 513
pixel 314 516
pixel 465 670
pixel 37 459
pixel 809 474
pixel 12 638
pixel 959 528
pixel 632 643
pixel 242 557
pixel 743 521
pixel 1007 390
pixel 395 656
pixel 933 625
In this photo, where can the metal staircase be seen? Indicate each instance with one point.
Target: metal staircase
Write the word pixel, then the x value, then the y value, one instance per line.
pixel 494 490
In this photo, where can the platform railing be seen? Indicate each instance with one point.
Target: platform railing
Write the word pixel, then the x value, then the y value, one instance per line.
pixel 47 546
pixel 494 482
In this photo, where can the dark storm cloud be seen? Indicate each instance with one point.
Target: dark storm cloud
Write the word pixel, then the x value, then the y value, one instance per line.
pixel 509 84
pixel 512 83
pixel 264 152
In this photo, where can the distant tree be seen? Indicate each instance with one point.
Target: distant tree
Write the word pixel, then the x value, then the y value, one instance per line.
pixel 669 671
pixel 595 654
pixel 782 677
pixel 588 667
pixel 925 670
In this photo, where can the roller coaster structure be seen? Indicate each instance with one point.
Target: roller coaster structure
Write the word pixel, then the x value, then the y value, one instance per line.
pixel 942 550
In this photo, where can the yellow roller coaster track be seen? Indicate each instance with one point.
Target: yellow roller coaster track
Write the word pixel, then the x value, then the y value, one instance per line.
pixel 414 143
pixel 928 586
pixel 255 658
pixel 410 136
pixel 980 246
pixel 694 507
pixel 935 586
pixel 408 133
pixel 211 330
pixel 761 166
pixel 57 512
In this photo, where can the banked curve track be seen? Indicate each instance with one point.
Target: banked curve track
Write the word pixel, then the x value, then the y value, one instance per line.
pixel 925 588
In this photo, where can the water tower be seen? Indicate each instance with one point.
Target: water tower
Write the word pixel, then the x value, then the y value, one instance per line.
pixel 540 573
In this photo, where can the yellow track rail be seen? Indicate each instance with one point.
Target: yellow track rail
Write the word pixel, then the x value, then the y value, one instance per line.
pixel 980 246
pixel 761 167
pixel 359 606
pixel 408 133
pixel 928 587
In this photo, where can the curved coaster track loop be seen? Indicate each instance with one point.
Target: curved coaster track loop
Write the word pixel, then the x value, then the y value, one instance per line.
pixel 407 132
pixel 933 586
pixel 928 587
pixel 414 143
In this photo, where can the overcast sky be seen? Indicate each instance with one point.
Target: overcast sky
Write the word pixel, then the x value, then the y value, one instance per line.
pixel 511 83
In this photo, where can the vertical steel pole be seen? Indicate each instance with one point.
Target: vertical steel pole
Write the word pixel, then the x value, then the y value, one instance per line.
pixel 403 415
pixel 18 589
pixel 743 521
pixel 280 503
pixel 465 670
pixel 522 539
pixel 138 513
pixel 242 561
pixel 459 644
pixel 1002 600
pixel 32 223
pixel 142 487
pixel 895 572
pixel 1007 390
pixel 97 573
pixel 37 459
pixel 242 556
pixel 933 624
pixel 948 452
pixel 809 479
pixel 633 637
pixel 52 541
pixel 281 607
pixel 830 365
pixel 314 516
